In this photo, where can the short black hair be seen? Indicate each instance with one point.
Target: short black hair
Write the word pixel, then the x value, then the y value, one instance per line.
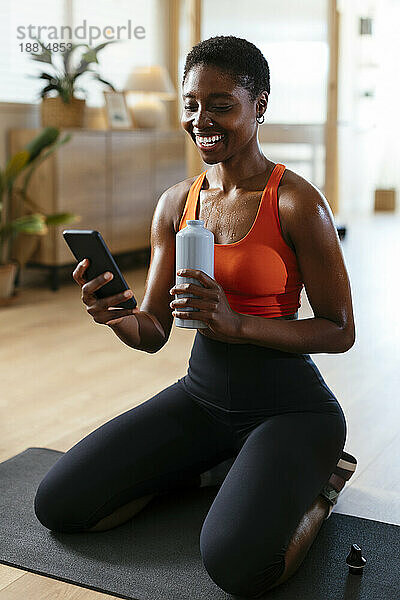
pixel 237 56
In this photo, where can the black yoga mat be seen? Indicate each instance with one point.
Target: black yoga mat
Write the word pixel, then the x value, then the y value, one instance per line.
pixel 156 554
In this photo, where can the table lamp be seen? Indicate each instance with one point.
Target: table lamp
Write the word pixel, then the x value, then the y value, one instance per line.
pixel 146 88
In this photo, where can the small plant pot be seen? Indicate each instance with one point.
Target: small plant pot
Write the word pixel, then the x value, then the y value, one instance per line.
pixel 7 278
pixel 24 247
pixel 56 113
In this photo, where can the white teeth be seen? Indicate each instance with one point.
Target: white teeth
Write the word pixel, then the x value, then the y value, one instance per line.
pixel 209 140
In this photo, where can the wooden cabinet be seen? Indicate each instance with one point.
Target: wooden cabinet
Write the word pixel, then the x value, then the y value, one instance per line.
pixel 112 179
pixel 132 191
pixel 79 186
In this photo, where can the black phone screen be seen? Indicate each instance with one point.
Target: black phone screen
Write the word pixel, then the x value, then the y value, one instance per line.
pixel 90 244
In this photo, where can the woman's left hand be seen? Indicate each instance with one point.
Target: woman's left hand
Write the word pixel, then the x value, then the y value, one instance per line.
pixel 223 324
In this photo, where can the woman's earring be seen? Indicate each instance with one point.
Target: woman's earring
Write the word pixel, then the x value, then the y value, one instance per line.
pixel 259 121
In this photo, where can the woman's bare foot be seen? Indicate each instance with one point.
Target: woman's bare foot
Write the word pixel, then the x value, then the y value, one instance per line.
pixel 122 514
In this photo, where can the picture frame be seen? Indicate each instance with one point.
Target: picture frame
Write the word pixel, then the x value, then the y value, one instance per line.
pixel 117 111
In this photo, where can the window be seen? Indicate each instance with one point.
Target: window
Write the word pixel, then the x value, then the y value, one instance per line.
pixel 119 58
pixel 17 66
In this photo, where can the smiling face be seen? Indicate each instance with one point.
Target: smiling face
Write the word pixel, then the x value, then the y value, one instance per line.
pixel 218 114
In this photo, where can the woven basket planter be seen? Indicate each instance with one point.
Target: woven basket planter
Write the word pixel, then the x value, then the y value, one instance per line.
pixel 56 113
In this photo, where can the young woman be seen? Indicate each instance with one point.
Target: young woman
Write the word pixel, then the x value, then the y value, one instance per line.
pixel 251 394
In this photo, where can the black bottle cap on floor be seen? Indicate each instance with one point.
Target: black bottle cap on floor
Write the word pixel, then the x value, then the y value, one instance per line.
pixel 355 560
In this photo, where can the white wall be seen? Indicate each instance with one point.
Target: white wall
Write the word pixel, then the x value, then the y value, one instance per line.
pixel 292 35
pixel 369 125
pixel 258 19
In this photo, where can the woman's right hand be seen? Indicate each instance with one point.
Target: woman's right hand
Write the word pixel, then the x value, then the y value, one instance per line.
pixel 102 310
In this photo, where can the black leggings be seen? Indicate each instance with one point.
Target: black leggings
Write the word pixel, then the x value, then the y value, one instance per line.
pixel 268 411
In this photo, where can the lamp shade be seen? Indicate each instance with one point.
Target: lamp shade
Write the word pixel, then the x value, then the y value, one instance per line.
pixel 154 79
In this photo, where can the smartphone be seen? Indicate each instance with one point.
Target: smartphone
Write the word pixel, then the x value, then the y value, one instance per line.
pixel 90 244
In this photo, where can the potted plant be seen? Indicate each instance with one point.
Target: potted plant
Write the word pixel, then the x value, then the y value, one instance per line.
pixel 60 107
pixel 15 201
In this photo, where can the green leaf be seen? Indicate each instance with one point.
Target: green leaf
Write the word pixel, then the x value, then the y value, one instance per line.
pixel 67 56
pixel 49 88
pixel 103 45
pixel 65 139
pixel 34 224
pixel 61 218
pixel 15 165
pixel 45 138
pixel 2 184
pixel 90 56
pixel 44 56
pixel 46 76
pixel 42 157
pixel 97 76
pixel 82 67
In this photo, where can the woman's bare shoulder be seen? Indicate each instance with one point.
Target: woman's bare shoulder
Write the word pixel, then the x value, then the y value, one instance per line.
pixel 298 197
pixel 175 198
pixel 298 201
pixel 293 184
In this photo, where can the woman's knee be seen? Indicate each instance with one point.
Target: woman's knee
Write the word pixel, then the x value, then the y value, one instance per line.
pixel 234 570
pixel 54 509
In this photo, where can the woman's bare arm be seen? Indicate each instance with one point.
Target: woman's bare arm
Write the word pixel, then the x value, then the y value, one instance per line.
pixel 150 327
pixel 307 218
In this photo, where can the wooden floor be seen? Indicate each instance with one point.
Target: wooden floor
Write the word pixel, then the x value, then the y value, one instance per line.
pixel 62 376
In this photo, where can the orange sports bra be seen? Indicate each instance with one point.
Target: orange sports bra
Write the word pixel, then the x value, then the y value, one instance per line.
pixel 259 273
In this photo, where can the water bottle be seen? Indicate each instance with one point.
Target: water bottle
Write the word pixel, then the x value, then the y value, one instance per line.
pixel 194 250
